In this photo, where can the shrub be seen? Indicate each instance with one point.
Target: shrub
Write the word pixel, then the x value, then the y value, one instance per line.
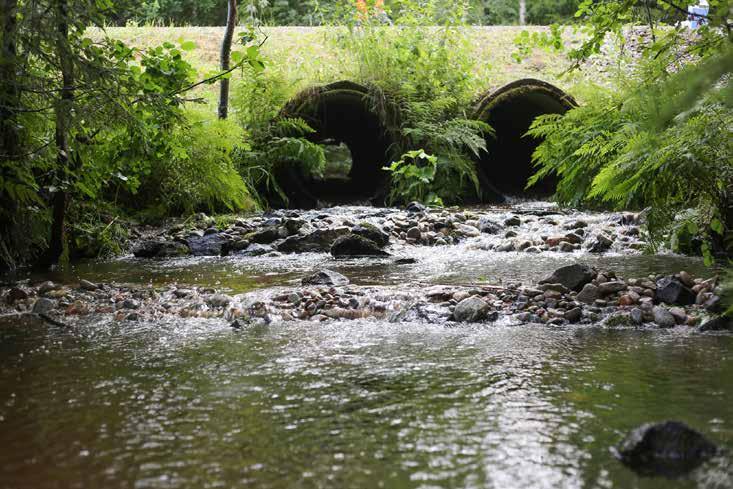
pixel 194 171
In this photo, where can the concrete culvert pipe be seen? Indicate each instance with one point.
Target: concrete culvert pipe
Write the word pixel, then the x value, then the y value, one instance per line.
pixel 342 114
pixel 510 110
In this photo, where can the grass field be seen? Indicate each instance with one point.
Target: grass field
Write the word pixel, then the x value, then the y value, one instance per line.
pixel 307 56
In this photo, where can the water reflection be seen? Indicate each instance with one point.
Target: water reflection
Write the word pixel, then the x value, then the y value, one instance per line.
pixel 357 404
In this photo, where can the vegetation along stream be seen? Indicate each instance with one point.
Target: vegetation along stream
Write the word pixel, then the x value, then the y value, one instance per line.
pixel 366 244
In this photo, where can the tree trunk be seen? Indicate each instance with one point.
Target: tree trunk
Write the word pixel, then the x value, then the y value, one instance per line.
pixel 58 247
pixel 9 139
pixel 522 12
pixel 226 50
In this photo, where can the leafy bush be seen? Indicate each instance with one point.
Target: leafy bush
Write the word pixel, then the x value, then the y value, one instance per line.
pixel 425 71
pixel 652 146
pixel 194 171
pixel 283 143
pixel 428 179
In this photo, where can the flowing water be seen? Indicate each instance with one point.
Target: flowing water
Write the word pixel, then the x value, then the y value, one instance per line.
pixel 191 403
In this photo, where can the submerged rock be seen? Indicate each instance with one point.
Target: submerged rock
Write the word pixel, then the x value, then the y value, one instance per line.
pixel 325 277
pixel 574 277
pixel 670 448
pixel 354 245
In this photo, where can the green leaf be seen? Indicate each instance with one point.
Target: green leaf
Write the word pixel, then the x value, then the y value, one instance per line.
pixel 188 45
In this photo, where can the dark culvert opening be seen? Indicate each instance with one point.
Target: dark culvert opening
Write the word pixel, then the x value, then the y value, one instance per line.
pixel 357 147
pixel 507 166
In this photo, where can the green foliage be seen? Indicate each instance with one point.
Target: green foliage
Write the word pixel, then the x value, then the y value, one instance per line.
pixel 98 231
pixel 652 146
pixel 195 171
pixel 283 144
pixel 425 178
pixel 422 83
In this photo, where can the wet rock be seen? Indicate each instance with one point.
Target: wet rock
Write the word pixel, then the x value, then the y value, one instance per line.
pixel 504 247
pixel 160 249
pixel 293 225
pixel 267 235
pixel 574 277
pixel 686 279
pixel 373 233
pixel 720 323
pixel 16 294
pixel 471 310
pixel 512 221
pixel 579 224
pixel 663 317
pixel 219 300
pixel 355 245
pixel 405 261
pixel 637 316
pixel 607 288
pixel 589 294
pixel 256 249
pixel 239 323
pixel 47 286
pixel 130 304
pixel 318 240
pixel 679 315
pixel 566 247
pixel 600 244
pixel 414 233
pixel 87 285
pixel 325 277
pixel 574 315
pixel 671 291
pixel 669 449
pixel 466 230
pixel 486 225
pixel 44 306
pixel 182 293
pixel 415 207
pixel 207 245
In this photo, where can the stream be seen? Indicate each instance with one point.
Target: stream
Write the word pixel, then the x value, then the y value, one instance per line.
pixel 189 402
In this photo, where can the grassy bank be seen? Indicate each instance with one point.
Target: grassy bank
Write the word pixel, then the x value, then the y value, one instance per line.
pixel 308 56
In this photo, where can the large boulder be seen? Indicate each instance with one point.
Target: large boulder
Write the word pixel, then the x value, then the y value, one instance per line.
pixel 372 232
pixel 471 310
pixel 267 235
pixel 318 240
pixel 355 245
pixel 669 448
pixel 207 245
pixel 574 277
pixel 156 248
pixel 325 277
pixel 672 291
